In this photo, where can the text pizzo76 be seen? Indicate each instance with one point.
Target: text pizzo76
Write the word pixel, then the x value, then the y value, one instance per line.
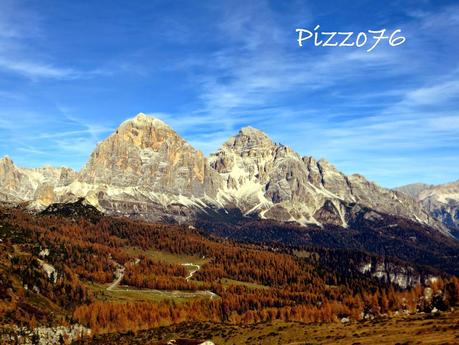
pixel 349 39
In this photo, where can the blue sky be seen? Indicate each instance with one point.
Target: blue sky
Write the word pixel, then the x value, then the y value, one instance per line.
pixel 72 71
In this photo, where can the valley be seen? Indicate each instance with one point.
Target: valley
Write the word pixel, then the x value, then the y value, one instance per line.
pixel 252 244
pixel 115 275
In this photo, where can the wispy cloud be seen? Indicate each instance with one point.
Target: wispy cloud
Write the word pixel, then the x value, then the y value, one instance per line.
pixel 18 28
pixel 60 138
pixel 34 69
pixel 260 67
pixel 20 53
pixel 434 94
pixel 260 78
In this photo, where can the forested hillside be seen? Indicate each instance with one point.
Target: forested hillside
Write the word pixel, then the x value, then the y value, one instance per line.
pixel 56 270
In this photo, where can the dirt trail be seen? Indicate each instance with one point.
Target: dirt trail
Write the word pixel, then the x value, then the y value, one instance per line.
pixel 192 272
pixel 119 274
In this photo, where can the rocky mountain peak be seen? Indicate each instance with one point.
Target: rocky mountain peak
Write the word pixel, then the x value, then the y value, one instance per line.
pixel 249 139
pixel 145 152
pixel 145 131
pixel 442 201
pixel 146 168
pixel 253 132
pixel 11 180
pixel 6 160
pixel 244 154
pixel 414 189
pixel 30 184
pixel 142 120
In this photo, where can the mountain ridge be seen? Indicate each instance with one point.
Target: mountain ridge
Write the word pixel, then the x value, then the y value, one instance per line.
pixel 442 201
pixel 145 169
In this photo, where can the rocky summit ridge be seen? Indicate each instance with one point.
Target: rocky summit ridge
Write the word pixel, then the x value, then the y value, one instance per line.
pixel 31 184
pixel 145 169
pixel 442 201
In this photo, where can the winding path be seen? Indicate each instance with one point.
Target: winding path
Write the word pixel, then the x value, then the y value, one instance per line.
pixel 192 272
pixel 119 274
pixel 120 271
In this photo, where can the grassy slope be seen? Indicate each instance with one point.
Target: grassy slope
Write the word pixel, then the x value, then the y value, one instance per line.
pixel 416 329
pixel 167 257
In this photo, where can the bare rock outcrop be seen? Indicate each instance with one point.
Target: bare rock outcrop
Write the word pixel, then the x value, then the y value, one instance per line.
pixel 442 201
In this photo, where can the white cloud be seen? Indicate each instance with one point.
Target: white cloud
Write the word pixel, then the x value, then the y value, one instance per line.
pixel 57 138
pixel 33 69
pixel 20 30
pixel 435 94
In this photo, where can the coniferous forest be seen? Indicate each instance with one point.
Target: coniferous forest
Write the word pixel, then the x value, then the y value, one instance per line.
pixel 236 283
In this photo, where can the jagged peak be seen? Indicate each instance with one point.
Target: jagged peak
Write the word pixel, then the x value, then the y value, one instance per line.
pixel 144 120
pixel 326 164
pixel 252 132
pixel 357 176
pixel 250 135
pixel 142 130
pixel 247 138
pixel 6 160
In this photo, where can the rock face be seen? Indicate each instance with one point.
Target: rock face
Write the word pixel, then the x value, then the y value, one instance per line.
pixel 274 182
pixel 260 177
pixel 146 152
pixel 403 276
pixel 414 189
pixel 442 201
pixel 22 184
pixel 145 169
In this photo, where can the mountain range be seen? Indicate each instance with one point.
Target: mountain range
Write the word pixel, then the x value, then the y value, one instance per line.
pixel 146 170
